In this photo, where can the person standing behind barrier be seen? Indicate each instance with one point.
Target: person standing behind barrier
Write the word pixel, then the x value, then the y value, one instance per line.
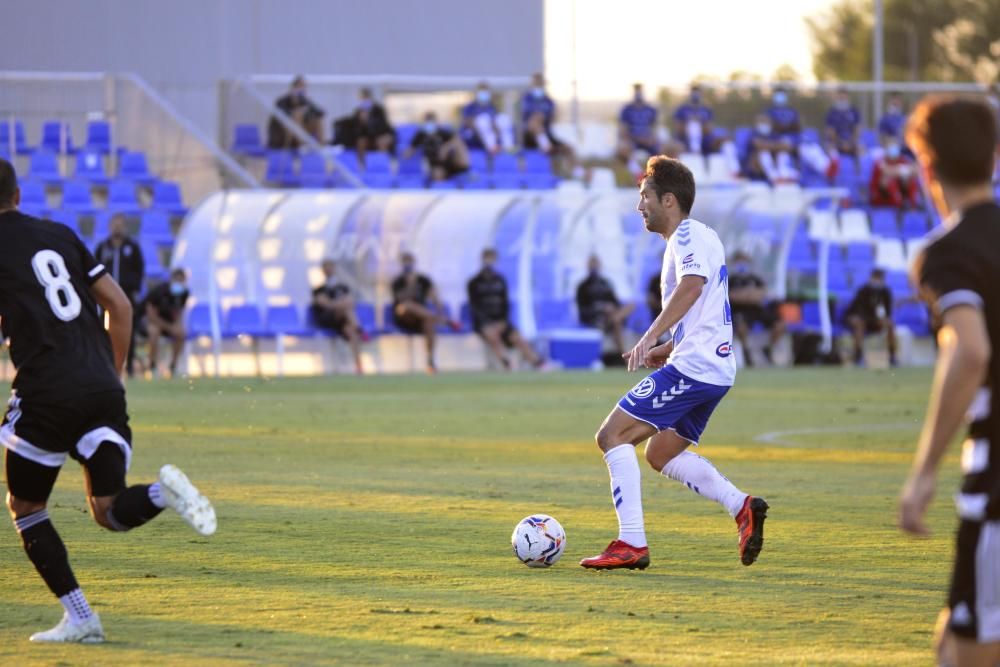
pixel 333 309
pixel 164 310
pixel 599 306
pixel 490 308
pixel 123 258
pixel 416 308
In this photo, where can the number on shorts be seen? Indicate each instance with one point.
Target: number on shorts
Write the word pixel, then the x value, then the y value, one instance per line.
pixel 50 269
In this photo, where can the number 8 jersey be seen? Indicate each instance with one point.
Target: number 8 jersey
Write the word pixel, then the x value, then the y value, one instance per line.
pixel 703 339
pixel 57 339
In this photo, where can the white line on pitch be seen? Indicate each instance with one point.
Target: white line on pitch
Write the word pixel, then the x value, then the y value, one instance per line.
pixel 779 437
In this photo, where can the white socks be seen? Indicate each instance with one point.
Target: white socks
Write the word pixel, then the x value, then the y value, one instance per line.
pixel 626 493
pixel 156 496
pixel 76 606
pixel 699 475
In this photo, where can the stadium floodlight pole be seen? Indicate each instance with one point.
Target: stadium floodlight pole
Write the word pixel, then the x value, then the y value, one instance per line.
pixel 575 102
pixel 878 58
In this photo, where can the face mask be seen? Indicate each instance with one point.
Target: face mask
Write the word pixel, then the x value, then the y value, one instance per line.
pixel 842 104
pixel 488 265
pixel 892 151
pixel 538 92
pixel 407 268
pixel 430 128
pixel 638 98
pixel 780 99
pixel 696 98
pixel 875 283
pixel 365 104
pixel 741 267
pixel 176 288
pixel 895 109
pixel 764 128
pixel 483 96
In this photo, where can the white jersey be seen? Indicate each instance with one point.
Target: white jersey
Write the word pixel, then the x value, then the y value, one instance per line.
pixel 703 339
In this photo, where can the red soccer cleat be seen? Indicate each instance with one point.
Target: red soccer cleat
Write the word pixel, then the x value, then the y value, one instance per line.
pixel 619 554
pixel 750 521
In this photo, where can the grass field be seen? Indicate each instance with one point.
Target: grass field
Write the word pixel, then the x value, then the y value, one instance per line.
pixel 367 521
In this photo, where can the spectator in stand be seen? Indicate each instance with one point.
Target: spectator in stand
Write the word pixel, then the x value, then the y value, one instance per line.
pixel 893 121
pixel 654 296
pixel 416 308
pixel 490 310
pixel 693 124
pixel 786 127
pixel 843 125
pixel 302 111
pixel 164 311
pixel 750 306
pixel 894 179
pixel 537 113
pixel 367 129
pixel 123 258
pixel 637 127
pixel 599 307
pixel 870 312
pixel 768 158
pixel 443 149
pixel 483 126
pixel 333 309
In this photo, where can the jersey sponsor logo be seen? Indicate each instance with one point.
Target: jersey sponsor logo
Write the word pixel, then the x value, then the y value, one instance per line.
pixel 724 350
pixel 644 388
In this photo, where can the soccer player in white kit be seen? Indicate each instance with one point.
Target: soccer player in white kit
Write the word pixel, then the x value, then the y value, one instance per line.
pixel 695 369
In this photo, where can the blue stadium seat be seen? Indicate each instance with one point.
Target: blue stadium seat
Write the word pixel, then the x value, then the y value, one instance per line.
pixel 478 162
pixel 554 314
pixel 537 162
pixel 388 323
pixel 90 165
pixel 244 320
pixel 54 134
pixel 76 197
pixel 132 166
pixel 99 136
pixel 312 171
pixel 366 316
pixel 68 218
pixel 281 169
pixel 349 159
pixel 860 253
pixel 505 163
pixel 378 162
pixel 809 135
pixel 912 315
pixel 44 166
pixel 381 181
pixel 122 198
pixel 741 138
pixel 33 194
pixel 151 254
pixel 404 135
pixel 914 224
pixel 156 226
pixel 15 131
pixel 465 315
pixel 199 320
pixel 167 197
pixel 102 227
pixel 883 221
pixel 247 141
pixel 898 282
pixel 868 137
pixel 412 166
pixel 285 320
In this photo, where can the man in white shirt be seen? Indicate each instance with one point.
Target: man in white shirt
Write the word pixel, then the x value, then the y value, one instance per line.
pixel 695 369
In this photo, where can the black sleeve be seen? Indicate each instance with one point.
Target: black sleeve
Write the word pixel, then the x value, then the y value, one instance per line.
pixel 155 296
pixel 506 300
pixel 184 299
pixel 418 139
pixel 474 306
pixel 946 279
pixel 91 267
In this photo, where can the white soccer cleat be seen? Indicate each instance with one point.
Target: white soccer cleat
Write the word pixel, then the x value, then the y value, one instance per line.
pixel 88 632
pixel 182 496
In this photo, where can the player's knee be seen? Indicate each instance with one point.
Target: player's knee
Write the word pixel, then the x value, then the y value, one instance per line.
pixel 654 458
pixel 605 438
pixel 19 507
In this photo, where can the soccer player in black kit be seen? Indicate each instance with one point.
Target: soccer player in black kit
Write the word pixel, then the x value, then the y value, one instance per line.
pixel 490 308
pixel 958 275
pixel 68 400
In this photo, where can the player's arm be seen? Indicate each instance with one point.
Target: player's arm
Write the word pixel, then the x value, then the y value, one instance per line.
pixel 681 299
pixel 111 297
pixel 963 357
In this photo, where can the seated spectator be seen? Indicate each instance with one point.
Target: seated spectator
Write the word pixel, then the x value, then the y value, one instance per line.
pixel 768 158
pixel 123 258
pixel 332 309
pixel 599 307
pixel 443 149
pixel 894 179
pixel 164 311
pixel 786 127
pixel 302 111
pixel 490 310
pixel 893 121
pixel 693 124
pixel 416 308
pixel 843 125
pixel 654 296
pixel 870 312
pixel 537 113
pixel 750 306
pixel 367 129
pixel 637 130
pixel 483 126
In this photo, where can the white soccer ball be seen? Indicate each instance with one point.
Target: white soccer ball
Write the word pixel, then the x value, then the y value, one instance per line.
pixel 538 540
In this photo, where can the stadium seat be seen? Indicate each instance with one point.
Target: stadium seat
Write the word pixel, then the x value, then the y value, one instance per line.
pixel 404 135
pixel 889 255
pixel 132 166
pixel 554 314
pixel 718 168
pixel 411 172
pixel 741 137
pixel 90 165
pixel 199 319
pixel 349 160
pixel 912 315
pixel 281 169
pixel 33 194
pixel 56 138
pixel 14 130
pixel 860 253
pixel 913 248
pixel 167 197
pixel 478 162
pixel 506 173
pixel 44 166
pixel 868 137
pixel 151 254
pixel 914 224
pixel 285 321
pixel 156 226
pixel 76 197
pixel 365 313
pixel 68 218
pixel 312 171
pixel 822 224
pixel 505 163
pixel 696 163
pixel 378 162
pixel 809 135
pixel 244 320
pixel 538 171
pixel 101 227
pixel 899 283
pixel 122 198
pixel 883 221
pixel 247 141
pixel 854 225
pixel 99 136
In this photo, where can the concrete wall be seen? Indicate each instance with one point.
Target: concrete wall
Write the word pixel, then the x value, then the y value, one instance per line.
pixel 183 47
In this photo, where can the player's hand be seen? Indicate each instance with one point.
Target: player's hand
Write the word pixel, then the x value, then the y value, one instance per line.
pixel 916 497
pixel 637 357
pixel 658 356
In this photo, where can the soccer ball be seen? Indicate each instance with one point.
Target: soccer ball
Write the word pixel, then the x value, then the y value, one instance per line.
pixel 538 540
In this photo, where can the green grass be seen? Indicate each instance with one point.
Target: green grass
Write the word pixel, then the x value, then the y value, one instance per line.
pixel 366 521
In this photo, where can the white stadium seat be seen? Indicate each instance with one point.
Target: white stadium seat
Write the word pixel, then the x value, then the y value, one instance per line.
pixel 913 248
pixel 889 255
pixel 854 225
pixel 718 170
pixel 822 225
pixel 696 163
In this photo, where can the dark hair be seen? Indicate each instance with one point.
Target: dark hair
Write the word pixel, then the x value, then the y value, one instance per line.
pixel 667 175
pixel 179 272
pixel 365 93
pixel 489 252
pixel 8 183
pixel 877 273
pixel 956 137
pixel 299 80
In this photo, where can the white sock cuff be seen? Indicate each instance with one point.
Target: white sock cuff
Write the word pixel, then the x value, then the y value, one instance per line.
pixel 619 452
pixel 156 495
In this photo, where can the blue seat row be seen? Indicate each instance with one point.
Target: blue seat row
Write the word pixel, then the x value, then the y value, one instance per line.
pixel 89 165
pixel 77 196
pixel 56 137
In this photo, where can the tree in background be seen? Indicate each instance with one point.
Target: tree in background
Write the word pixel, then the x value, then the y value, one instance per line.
pixel 925 40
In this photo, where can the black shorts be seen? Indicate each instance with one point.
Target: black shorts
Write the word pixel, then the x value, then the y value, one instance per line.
pixel 411 324
pixel 974 598
pixel 39 436
pixel 335 322
pixel 506 334
pixel 873 325
pixel 751 314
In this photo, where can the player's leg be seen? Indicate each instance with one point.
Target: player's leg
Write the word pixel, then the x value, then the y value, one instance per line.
pixel 514 339
pixel 491 335
pixel 968 631
pixel 30 484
